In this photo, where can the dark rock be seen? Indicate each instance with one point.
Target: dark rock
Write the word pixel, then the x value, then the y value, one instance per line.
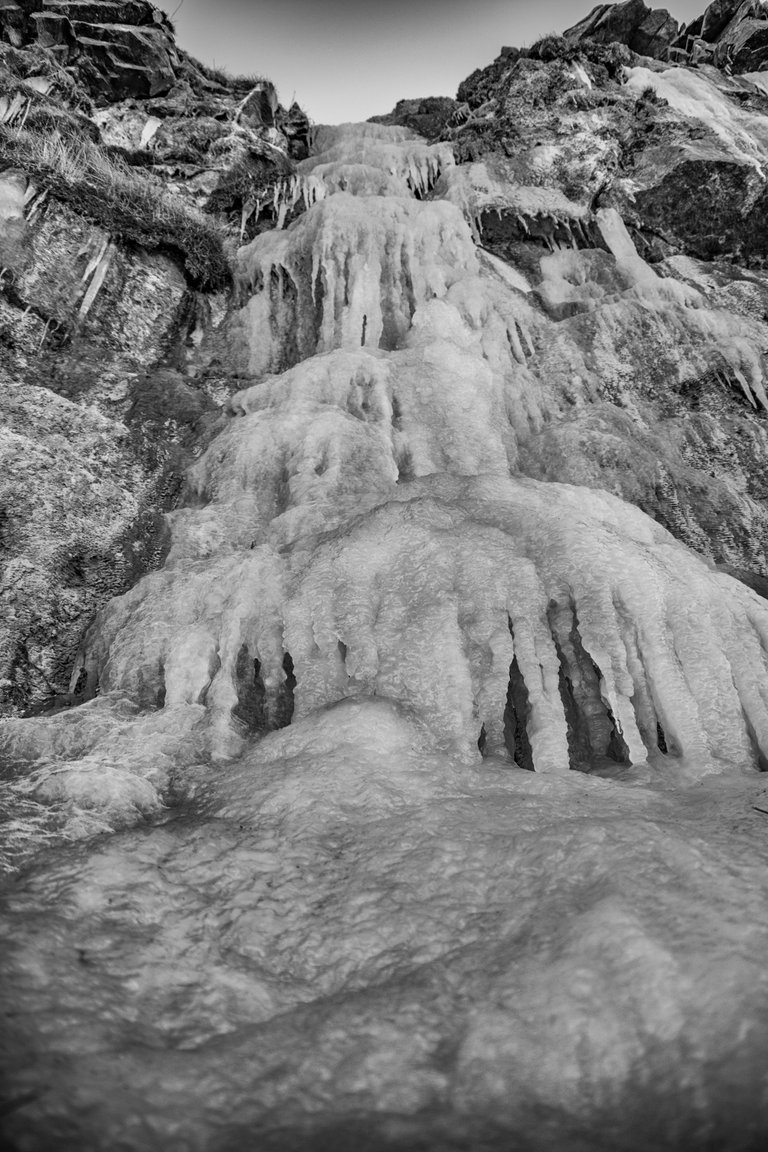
pixel 743 47
pixel 716 19
pixel 112 77
pixel 13 22
pixel 734 225
pixel 260 106
pixel 428 116
pixel 644 30
pixel 119 50
pixel 136 12
pixel 55 31
pixel 655 34
pixel 730 35
pixel 295 126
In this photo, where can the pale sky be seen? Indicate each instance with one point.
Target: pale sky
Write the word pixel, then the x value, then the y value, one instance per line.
pixel 347 61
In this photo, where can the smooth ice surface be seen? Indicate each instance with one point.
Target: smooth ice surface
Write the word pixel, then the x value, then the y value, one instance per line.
pixel 434 785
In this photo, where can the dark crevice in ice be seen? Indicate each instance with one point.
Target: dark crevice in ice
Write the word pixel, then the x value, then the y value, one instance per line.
pixel 592 731
pixel 516 714
pixel 258 708
pixel 250 709
pixel 281 710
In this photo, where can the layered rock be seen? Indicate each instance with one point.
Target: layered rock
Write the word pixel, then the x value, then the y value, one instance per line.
pixel 731 34
pixel 119 50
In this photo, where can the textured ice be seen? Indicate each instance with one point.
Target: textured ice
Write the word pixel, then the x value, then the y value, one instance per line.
pixel 566 628
pixel 741 132
pixel 323 953
pixel 358 923
pixel 475 190
pixel 349 273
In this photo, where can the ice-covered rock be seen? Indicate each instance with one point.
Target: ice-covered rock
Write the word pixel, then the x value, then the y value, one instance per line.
pixel 432 777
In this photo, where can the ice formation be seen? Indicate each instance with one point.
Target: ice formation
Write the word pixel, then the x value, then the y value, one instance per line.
pixel 741 132
pixel 361 523
pixel 370 619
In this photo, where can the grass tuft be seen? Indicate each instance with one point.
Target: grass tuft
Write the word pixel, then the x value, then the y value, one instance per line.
pixel 226 79
pixel 127 202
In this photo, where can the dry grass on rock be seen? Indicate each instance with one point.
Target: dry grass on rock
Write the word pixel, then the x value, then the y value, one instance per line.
pixel 126 202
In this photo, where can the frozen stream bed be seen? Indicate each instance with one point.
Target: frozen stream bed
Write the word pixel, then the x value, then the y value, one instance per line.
pixel 345 941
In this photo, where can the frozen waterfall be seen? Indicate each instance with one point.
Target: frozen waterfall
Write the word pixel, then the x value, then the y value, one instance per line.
pixel 361 530
pixel 390 751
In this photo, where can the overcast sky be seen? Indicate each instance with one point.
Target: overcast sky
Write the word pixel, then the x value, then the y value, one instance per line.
pixel 348 61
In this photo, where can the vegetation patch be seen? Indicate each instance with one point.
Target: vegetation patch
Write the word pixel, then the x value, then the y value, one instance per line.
pixel 225 79
pixel 127 202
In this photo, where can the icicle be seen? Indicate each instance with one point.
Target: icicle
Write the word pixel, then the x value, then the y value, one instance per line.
pixel 36 205
pixel 149 131
pixel 24 117
pixel 99 276
pixel 744 386
pixel 245 214
pixel 95 260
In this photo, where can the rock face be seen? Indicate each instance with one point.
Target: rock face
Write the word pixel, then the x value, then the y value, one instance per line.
pixel 428 117
pixel 646 31
pixel 126 170
pixel 731 34
pixel 119 50
pixel 463 760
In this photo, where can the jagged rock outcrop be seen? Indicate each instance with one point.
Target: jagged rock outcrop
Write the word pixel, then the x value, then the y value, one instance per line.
pixel 646 31
pixel 118 49
pixel 731 34
pixel 429 116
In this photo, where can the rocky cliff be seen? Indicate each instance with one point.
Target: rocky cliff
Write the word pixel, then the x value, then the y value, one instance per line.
pixel 130 172
pixel 374 500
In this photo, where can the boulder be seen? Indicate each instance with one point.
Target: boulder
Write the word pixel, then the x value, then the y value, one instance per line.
pixel 716 18
pixel 732 35
pixel 295 126
pixel 429 116
pixel 743 46
pixel 644 30
pixel 260 106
